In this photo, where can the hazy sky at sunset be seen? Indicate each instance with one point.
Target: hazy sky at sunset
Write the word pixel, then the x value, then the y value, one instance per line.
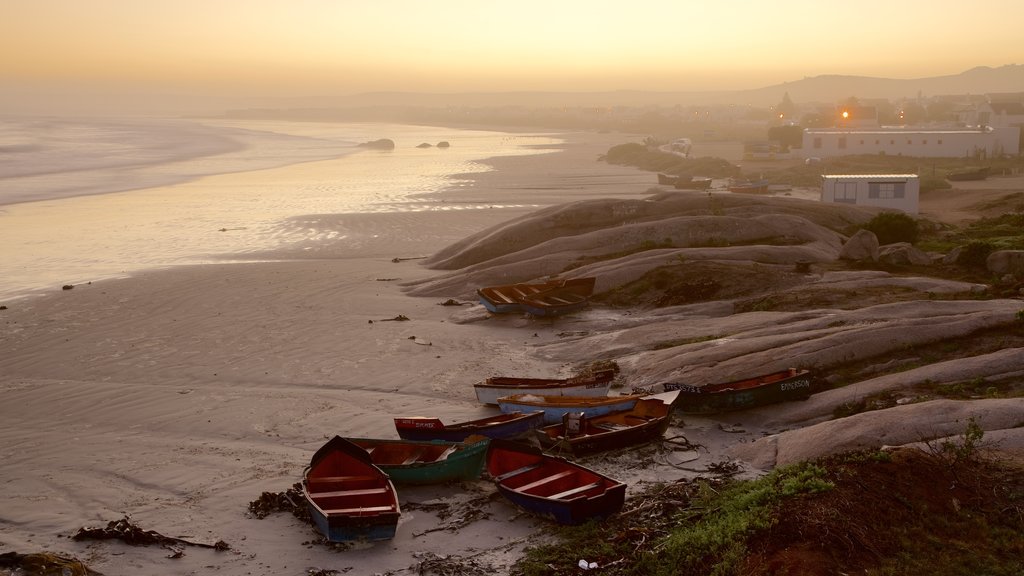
pixel 294 47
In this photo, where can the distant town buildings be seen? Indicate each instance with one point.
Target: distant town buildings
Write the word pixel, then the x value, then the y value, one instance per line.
pixel 981 129
pixel 981 142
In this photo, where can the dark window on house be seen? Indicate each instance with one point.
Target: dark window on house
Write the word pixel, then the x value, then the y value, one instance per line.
pixel 842 142
pixel 845 192
pixel 886 190
pixel 817 142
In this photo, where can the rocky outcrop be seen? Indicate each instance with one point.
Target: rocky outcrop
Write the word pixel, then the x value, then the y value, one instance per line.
pixel 903 254
pixel 1004 262
pixel 861 246
pixel 381 144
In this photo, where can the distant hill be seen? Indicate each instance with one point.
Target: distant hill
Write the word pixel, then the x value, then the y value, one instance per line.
pixel 827 88
pixel 830 88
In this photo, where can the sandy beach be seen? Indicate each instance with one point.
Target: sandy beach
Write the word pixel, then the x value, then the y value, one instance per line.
pixel 178 396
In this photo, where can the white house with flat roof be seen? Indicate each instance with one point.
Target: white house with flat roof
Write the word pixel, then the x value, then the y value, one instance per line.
pixel 896 191
pixel 982 142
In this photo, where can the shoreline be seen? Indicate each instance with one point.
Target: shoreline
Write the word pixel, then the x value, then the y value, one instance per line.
pixel 178 396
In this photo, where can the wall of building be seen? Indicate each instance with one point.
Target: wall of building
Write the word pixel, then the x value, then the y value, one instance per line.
pixel 979 143
pixel 896 191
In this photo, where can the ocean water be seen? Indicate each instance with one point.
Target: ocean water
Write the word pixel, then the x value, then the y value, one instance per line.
pixel 83 200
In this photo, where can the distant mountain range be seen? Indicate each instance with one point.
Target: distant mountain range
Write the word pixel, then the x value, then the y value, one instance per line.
pixel 825 89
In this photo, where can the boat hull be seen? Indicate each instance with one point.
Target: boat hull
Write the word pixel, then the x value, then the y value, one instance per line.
pixel 556 407
pixel 552 487
pixel 647 421
pixel 349 527
pixel 348 497
pixel 506 426
pixel 742 394
pixel 537 298
pixel 427 462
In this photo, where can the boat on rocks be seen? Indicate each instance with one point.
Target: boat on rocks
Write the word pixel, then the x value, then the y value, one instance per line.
pixel 770 388
pixel 555 407
pixel 349 498
pixel 595 383
pixel 579 435
pixel 427 462
pixel 562 296
pixel 506 426
pixel 550 486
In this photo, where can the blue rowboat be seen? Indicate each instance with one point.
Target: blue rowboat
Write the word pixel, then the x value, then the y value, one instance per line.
pixel 552 487
pixel 427 462
pixel 555 407
pixel 500 426
pixel 348 497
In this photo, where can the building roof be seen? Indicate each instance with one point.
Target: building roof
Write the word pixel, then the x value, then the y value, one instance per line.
pixel 896 131
pixel 869 176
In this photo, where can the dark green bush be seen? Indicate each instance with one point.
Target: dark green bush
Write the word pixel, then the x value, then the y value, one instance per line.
pixel 891 227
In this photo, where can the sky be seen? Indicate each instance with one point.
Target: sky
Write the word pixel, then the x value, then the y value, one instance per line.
pixel 283 48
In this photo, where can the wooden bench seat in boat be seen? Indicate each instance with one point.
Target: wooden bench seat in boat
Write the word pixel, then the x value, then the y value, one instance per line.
pixel 544 480
pixel 362 492
pixel 362 509
pixel 517 472
pixel 574 491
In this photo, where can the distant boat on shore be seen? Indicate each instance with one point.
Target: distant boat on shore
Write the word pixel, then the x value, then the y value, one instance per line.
pixel 684 182
pixel 749 187
pixel 969 174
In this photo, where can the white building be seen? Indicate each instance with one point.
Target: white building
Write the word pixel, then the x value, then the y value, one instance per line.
pixel 982 142
pixel 897 191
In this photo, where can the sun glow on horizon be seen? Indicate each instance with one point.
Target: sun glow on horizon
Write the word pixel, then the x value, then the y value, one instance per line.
pixel 314 46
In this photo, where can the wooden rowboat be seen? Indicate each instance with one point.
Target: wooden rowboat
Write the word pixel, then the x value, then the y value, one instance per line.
pixel 348 497
pixel 749 187
pixel 555 407
pixel 594 384
pixel 500 426
pixel 557 301
pixel 579 435
pixel 511 298
pixel 791 384
pixel 427 462
pixel 550 486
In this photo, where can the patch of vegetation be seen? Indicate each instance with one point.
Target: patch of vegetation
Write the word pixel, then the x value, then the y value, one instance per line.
pixel 979 238
pixel 689 527
pixel 874 512
pixel 664 344
pixel 648 157
pixel 892 227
